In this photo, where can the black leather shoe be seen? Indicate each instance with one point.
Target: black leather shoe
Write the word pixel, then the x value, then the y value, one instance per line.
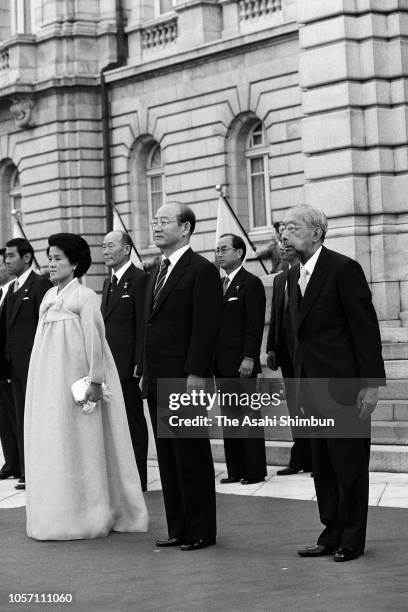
pixel 197 545
pixel 318 550
pixel 247 481
pixel 5 474
pixel 346 554
pixel 287 471
pixel 229 480
pixel 166 543
pixel 20 487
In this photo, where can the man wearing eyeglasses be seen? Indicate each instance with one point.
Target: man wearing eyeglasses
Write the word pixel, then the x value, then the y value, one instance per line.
pixel 338 361
pixel 237 357
pixel 182 313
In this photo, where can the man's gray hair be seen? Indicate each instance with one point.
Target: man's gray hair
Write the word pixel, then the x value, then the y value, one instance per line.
pixel 312 216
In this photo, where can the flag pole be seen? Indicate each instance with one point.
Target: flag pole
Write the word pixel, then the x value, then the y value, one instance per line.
pixel 14 214
pixel 218 188
pixel 133 246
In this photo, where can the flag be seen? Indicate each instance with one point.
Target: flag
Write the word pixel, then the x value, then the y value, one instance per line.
pixel 228 223
pixel 18 232
pixel 119 225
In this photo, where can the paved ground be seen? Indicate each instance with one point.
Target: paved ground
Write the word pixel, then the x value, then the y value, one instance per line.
pixel 386 489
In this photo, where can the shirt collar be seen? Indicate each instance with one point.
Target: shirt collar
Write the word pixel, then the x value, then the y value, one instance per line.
pixel 174 257
pixel 234 273
pixel 311 262
pixel 23 277
pixel 119 273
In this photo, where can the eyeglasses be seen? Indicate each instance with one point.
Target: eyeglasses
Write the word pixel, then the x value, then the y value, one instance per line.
pixel 162 222
pixel 223 249
pixel 291 228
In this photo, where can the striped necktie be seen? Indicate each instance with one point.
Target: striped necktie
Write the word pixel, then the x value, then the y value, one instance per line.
pixel 225 284
pixel 161 277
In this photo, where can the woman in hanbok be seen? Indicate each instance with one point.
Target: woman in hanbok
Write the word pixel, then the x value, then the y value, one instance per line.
pixel 81 475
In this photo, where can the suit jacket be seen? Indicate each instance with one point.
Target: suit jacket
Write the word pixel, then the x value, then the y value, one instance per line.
pixel 22 310
pixel 336 327
pixel 243 320
pixel 182 330
pixel 280 335
pixel 123 314
pixel 4 368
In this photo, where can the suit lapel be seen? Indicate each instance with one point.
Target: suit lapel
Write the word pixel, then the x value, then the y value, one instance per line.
pixel 315 284
pixel 116 297
pixel 105 292
pixel 235 284
pixel 171 281
pixel 18 297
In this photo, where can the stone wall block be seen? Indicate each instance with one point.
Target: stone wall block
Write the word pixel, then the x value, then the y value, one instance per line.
pixel 333 131
pixel 386 297
pixel 345 196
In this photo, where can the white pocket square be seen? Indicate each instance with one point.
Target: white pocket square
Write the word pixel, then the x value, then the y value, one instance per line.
pixel 26 298
pixel 232 299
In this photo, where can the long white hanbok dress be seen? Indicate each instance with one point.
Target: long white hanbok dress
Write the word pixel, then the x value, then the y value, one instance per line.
pixel 81 474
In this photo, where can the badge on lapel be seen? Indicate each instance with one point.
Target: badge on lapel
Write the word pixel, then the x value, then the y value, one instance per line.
pixel 125 289
pixel 234 297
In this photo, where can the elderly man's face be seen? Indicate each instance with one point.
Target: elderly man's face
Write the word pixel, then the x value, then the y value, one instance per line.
pixel 298 235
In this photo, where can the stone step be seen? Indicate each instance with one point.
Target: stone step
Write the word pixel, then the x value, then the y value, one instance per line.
pixel 395 350
pixel 384 458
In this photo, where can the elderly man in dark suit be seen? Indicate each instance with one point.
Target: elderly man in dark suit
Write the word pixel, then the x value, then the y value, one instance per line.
pixel 279 348
pixel 237 357
pixel 22 308
pixel 337 341
pixel 122 310
pixel 8 424
pixel 183 312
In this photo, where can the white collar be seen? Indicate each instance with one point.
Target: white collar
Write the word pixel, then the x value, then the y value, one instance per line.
pixel 233 273
pixel 311 262
pixel 174 257
pixel 23 277
pixel 74 280
pixel 119 273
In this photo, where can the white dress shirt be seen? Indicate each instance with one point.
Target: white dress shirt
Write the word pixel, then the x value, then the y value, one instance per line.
pixel 310 264
pixel 173 258
pixel 22 278
pixel 119 273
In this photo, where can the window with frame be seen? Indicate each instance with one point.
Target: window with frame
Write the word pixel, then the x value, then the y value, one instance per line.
pixel 256 155
pixel 161 7
pixel 155 180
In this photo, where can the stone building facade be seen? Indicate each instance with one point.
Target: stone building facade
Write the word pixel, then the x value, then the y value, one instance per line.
pixel 280 101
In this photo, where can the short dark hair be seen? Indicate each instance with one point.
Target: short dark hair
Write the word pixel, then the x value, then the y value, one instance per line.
pixel 126 239
pixel 237 243
pixel 3 255
pixel 75 248
pixel 277 226
pixel 186 214
pixel 23 247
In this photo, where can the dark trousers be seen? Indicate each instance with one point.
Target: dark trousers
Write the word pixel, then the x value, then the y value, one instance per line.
pixel 137 425
pixel 188 481
pixel 8 430
pixel 244 448
pixel 340 467
pixel 18 386
pixel 301 451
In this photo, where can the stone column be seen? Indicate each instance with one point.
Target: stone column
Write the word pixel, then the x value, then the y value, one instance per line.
pixel 354 95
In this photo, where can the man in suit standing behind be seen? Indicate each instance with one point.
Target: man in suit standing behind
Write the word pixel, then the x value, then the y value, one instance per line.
pixel 337 340
pixel 279 348
pixel 122 310
pixel 8 424
pixel 183 312
pixel 22 308
pixel 237 356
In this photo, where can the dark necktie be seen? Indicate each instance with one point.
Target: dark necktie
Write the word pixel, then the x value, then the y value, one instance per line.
pixel 161 277
pixel 225 284
pixel 114 283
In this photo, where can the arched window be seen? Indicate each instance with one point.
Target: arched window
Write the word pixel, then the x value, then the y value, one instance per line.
pixel 154 174
pixel 146 188
pixel 257 178
pixel 10 202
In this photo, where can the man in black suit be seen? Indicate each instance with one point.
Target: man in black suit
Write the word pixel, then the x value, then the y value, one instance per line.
pixel 183 312
pixel 337 341
pixel 279 348
pixel 8 424
pixel 122 310
pixel 237 357
pixel 22 307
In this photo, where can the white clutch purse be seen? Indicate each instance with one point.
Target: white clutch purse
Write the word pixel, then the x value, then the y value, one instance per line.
pixel 79 388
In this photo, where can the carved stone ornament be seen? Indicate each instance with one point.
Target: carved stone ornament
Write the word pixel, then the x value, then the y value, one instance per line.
pixel 22 110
